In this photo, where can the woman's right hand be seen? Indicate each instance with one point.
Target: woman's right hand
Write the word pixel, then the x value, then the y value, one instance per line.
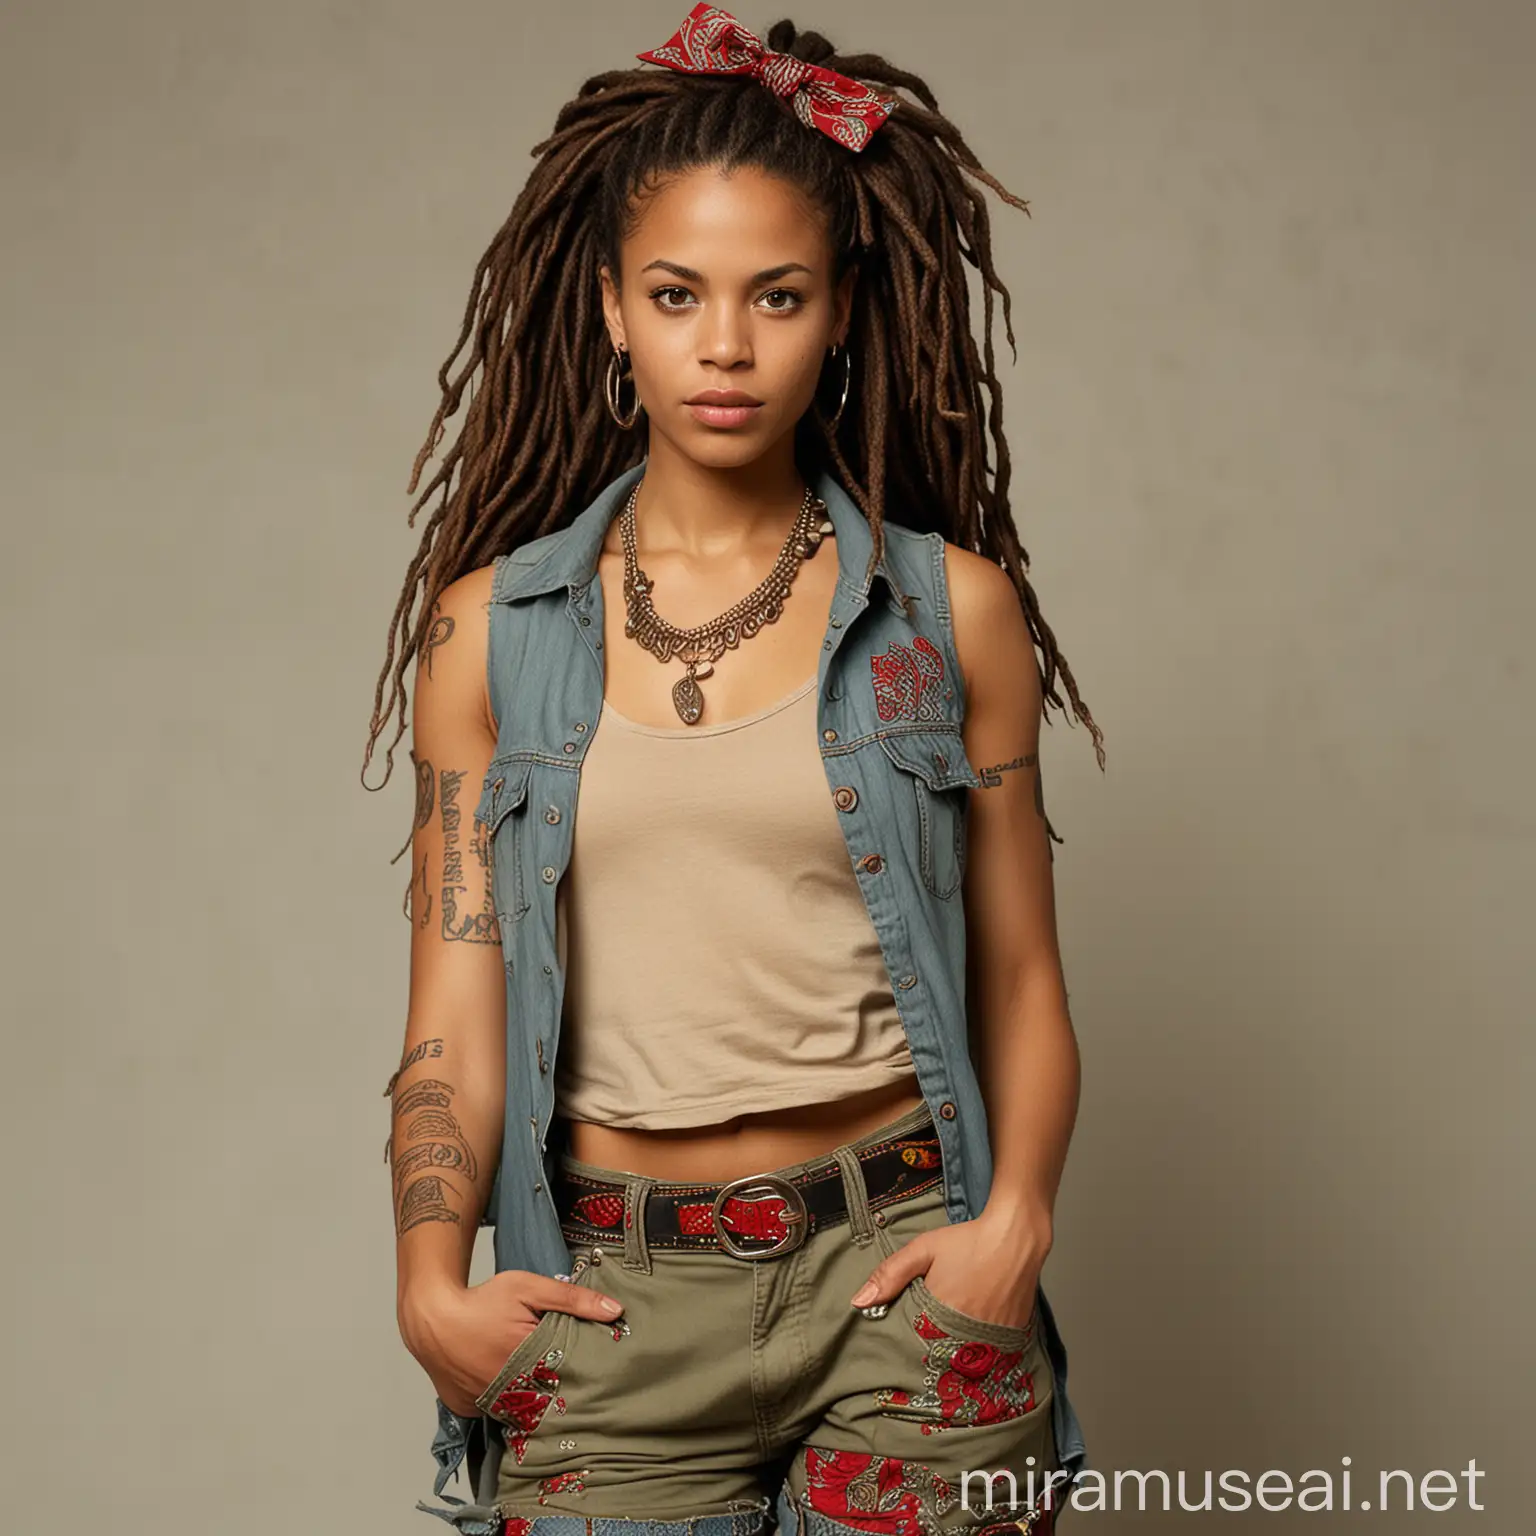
pixel 463 1335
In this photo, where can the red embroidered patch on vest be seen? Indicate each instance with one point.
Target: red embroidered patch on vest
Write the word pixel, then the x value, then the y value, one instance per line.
pixel 906 681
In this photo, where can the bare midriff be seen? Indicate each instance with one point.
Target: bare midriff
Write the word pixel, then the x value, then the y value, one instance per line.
pixel 750 1143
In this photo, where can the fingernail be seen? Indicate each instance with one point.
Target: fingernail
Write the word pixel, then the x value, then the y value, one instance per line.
pixel 865 1292
pixel 611 1306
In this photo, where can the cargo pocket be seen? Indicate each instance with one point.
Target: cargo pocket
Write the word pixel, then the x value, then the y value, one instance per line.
pixel 503 808
pixel 933 765
pixel 963 1371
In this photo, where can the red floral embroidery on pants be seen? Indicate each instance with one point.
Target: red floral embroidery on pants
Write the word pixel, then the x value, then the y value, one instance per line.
pixel 561 1482
pixel 523 1402
pixel 881 1494
pixel 964 1382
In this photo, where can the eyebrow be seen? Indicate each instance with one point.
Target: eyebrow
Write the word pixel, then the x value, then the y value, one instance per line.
pixel 767 275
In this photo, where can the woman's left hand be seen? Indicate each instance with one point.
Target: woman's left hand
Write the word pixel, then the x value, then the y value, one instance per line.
pixel 988 1267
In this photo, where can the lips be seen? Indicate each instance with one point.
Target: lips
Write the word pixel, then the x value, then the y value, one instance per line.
pixel 723 407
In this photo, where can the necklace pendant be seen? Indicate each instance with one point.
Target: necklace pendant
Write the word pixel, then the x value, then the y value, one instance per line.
pixel 688 698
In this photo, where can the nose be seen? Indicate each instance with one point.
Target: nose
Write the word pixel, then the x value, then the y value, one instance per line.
pixel 725 338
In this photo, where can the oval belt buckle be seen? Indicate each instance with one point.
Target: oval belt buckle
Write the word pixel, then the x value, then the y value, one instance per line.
pixel 763 1186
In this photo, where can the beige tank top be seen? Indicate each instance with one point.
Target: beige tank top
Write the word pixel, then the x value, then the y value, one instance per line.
pixel 718 954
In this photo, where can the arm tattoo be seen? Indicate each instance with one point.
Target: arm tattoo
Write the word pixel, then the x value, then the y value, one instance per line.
pixel 424 781
pixel 475 927
pixel 442 628
pixel 992 777
pixel 423 1112
pixel 418 1052
pixel 424 1201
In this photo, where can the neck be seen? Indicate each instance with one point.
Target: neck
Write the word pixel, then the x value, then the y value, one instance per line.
pixel 697 509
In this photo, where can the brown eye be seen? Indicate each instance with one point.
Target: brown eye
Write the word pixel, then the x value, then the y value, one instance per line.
pixel 795 300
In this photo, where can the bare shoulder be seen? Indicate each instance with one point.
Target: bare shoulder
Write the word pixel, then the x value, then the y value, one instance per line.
pixel 992 637
pixel 450 674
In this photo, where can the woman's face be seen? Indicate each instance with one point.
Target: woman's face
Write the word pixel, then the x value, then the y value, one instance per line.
pixel 726 286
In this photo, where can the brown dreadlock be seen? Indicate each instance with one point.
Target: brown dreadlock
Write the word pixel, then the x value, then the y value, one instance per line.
pixel 538 443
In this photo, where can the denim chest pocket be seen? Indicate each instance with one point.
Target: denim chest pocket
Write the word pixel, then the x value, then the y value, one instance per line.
pixel 503 808
pixel 932 765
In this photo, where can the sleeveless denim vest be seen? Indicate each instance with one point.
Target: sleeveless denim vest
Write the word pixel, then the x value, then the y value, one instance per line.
pixel 890 704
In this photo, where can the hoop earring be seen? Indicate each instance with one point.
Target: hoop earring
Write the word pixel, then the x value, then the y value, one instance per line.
pixel 847 380
pixel 612 383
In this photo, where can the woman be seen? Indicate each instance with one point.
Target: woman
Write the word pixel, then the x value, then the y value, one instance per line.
pixel 728 1058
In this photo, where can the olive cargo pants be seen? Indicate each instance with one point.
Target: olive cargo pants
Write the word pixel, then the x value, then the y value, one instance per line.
pixel 723 1371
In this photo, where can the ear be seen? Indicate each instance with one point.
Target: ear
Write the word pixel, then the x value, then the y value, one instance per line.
pixel 842 304
pixel 612 314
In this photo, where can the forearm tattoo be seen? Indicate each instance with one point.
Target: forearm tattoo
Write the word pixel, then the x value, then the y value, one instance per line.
pixel 442 628
pixel 434 1145
pixel 474 927
pixel 418 1052
pixel 992 777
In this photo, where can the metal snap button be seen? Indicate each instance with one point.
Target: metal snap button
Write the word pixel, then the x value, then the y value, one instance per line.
pixel 829 735
pixel 878 1218
pixel 947 1110
pixel 548 872
pixel 552 815
pixel 496 787
pixel 581 725
pixel 872 863
pixel 907 981
pixel 585 620
pixel 942 761
pixel 570 746
pixel 845 797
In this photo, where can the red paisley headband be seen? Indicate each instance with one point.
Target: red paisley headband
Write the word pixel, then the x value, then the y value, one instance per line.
pixel 712 42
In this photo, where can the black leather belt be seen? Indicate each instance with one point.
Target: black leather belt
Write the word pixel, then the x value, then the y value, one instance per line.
pixel 755 1217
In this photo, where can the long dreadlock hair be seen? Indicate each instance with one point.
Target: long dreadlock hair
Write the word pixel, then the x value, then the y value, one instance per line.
pixel 538 442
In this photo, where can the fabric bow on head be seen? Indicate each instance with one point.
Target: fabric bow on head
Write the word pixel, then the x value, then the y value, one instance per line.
pixel 712 42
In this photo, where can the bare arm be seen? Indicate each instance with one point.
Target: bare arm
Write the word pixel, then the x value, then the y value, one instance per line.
pixel 1026 1048
pixel 448 1094
pixel 1021 1037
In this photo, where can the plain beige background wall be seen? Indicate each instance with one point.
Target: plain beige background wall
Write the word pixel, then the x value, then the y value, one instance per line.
pixel 1273 462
